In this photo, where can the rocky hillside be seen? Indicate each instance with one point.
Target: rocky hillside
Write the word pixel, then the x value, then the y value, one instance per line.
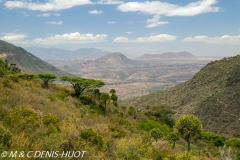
pixel 26 61
pixel 212 94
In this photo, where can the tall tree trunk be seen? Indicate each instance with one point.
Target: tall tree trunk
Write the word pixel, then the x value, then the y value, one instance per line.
pixel 173 145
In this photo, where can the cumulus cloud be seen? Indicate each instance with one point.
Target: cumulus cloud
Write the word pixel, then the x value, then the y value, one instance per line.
pixel 68 38
pixel 168 9
pixel 158 8
pixel 154 22
pixel 43 15
pixel 95 12
pixel 71 38
pixel 48 5
pixel 225 39
pixel 155 38
pixel 121 39
pixel 55 23
pixel 13 36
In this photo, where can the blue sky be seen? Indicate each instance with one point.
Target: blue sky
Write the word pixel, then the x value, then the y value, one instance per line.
pixel 202 27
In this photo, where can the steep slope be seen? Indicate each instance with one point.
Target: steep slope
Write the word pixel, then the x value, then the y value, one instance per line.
pixel 212 94
pixel 26 61
pixel 170 55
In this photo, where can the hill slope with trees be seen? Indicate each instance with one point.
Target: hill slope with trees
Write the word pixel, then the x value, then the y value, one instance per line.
pixel 212 94
pixel 26 61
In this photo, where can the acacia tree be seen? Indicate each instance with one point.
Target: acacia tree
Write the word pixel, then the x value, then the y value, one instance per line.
pixel 105 98
pixel 156 133
pixel 187 126
pixel 80 84
pixel 114 97
pixel 46 78
pixel 174 136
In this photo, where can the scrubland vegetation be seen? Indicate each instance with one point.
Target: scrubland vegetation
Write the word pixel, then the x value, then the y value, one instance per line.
pixel 35 116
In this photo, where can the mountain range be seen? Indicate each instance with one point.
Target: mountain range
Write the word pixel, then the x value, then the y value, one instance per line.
pixel 170 55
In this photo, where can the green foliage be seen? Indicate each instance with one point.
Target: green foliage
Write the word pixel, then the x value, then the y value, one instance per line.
pixel 105 99
pixel 50 119
pixel 148 125
pixel 92 137
pixel 233 142
pixel 46 78
pixel 161 113
pixel 181 156
pixel 132 111
pixel 80 84
pixel 27 76
pixel 62 95
pixel 133 149
pixel 6 83
pixel 216 139
pixel 173 137
pixel 5 137
pixel 156 134
pixel 22 119
pixel 117 133
pixel 187 126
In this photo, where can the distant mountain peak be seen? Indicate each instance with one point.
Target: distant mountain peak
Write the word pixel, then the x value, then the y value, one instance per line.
pixel 183 54
pixel 113 59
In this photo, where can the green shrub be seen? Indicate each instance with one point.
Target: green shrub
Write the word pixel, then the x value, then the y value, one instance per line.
pixel 22 119
pixel 215 139
pixel 91 136
pixel 117 133
pixel 62 95
pixel 6 83
pixel 148 125
pixel 5 137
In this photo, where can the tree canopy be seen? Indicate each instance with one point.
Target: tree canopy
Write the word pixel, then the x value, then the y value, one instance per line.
pixel 46 78
pixel 80 84
pixel 187 126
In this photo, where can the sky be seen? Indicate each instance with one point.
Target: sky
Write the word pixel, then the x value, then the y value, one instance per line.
pixel 134 28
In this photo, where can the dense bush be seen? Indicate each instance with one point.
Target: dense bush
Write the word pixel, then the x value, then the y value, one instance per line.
pixel 148 125
pixel 92 137
pixel 216 139
pixel 22 119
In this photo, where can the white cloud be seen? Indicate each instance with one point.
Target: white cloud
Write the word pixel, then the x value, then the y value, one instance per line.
pixel 158 8
pixel 43 15
pixel 111 22
pixel 154 22
pixel 121 39
pixel 55 23
pixel 13 36
pixel 71 38
pixel 95 12
pixel 48 5
pixel 168 9
pixel 155 38
pixel 225 39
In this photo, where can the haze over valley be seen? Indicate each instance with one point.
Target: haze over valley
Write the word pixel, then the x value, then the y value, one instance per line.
pixel 131 77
